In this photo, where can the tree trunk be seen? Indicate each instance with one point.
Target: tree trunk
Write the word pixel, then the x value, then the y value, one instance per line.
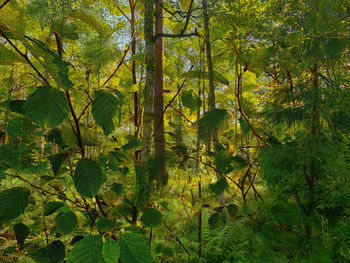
pixel 159 144
pixel 149 82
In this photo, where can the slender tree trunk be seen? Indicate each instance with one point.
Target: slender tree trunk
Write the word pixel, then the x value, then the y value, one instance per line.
pixel 149 82
pixel 159 144
pixel 310 179
pixel 211 98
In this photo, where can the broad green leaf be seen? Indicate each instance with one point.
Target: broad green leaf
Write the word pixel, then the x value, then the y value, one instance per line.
pixel 219 187
pixel 132 144
pixel 104 108
pixel 232 209
pixel 88 250
pixel 134 249
pixel 110 251
pixel 66 221
pixel 48 106
pixel 20 126
pixel 13 202
pixel 190 100
pixel 9 57
pixel 214 220
pixel 104 224
pixel 52 207
pixel 151 217
pixel 117 188
pixel 56 251
pixel 88 177
pixel 55 136
pixel 21 232
pixel 56 162
pixel 211 121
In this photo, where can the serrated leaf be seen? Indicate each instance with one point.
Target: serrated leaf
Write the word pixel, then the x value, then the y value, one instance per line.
pixel 9 57
pixel 151 217
pixel 104 108
pixel 56 162
pixel 110 251
pixel 87 250
pixel 88 177
pixel 104 224
pixel 52 207
pixel 134 249
pixel 13 202
pixel 66 222
pixel 47 106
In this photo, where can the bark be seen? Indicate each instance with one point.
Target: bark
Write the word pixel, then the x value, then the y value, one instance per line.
pixel 211 97
pixel 149 82
pixel 159 145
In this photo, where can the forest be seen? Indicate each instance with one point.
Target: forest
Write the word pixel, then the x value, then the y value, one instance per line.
pixel 170 131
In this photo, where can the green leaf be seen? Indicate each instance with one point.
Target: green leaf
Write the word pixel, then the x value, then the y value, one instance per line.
pixel 117 188
pixel 66 222
pixel 213 220
pixel 56 251
pixel 151 217
pixel 88 177
pixel 219 187
pixel 190 100
pixel 47 106
pixel 132 144
pixel 211 121
pixel 104 108
pixel 134 249
pixel 21 232
pixel 52 207
pixel 110 251
pixel 104 224
pixel 88 250
pixel 13 202
pixel 232 209
pixel 9 57
pixel 20 126
pixel 204 75
pixel 55 136
pixel 56 162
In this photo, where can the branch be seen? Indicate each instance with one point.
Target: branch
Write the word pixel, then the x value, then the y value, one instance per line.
pixel 195 33
pixel 45 191
pixel 121 61
pixel 5 3
pixel 122 11
pixel 24 56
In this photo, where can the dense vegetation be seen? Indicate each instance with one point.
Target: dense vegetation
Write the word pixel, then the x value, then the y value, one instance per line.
pixel 174 131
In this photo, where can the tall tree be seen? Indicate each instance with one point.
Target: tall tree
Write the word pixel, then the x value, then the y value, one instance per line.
pixel 149 80
pixel 159 143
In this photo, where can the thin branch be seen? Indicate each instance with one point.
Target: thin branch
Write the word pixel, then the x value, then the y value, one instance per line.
pixel 123 13
pixel 45 191
pixel 24 56
pixel 180 35
pixel 120 63
pixel 5 3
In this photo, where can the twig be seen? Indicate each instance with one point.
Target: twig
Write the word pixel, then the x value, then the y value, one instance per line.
pixel 5 3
